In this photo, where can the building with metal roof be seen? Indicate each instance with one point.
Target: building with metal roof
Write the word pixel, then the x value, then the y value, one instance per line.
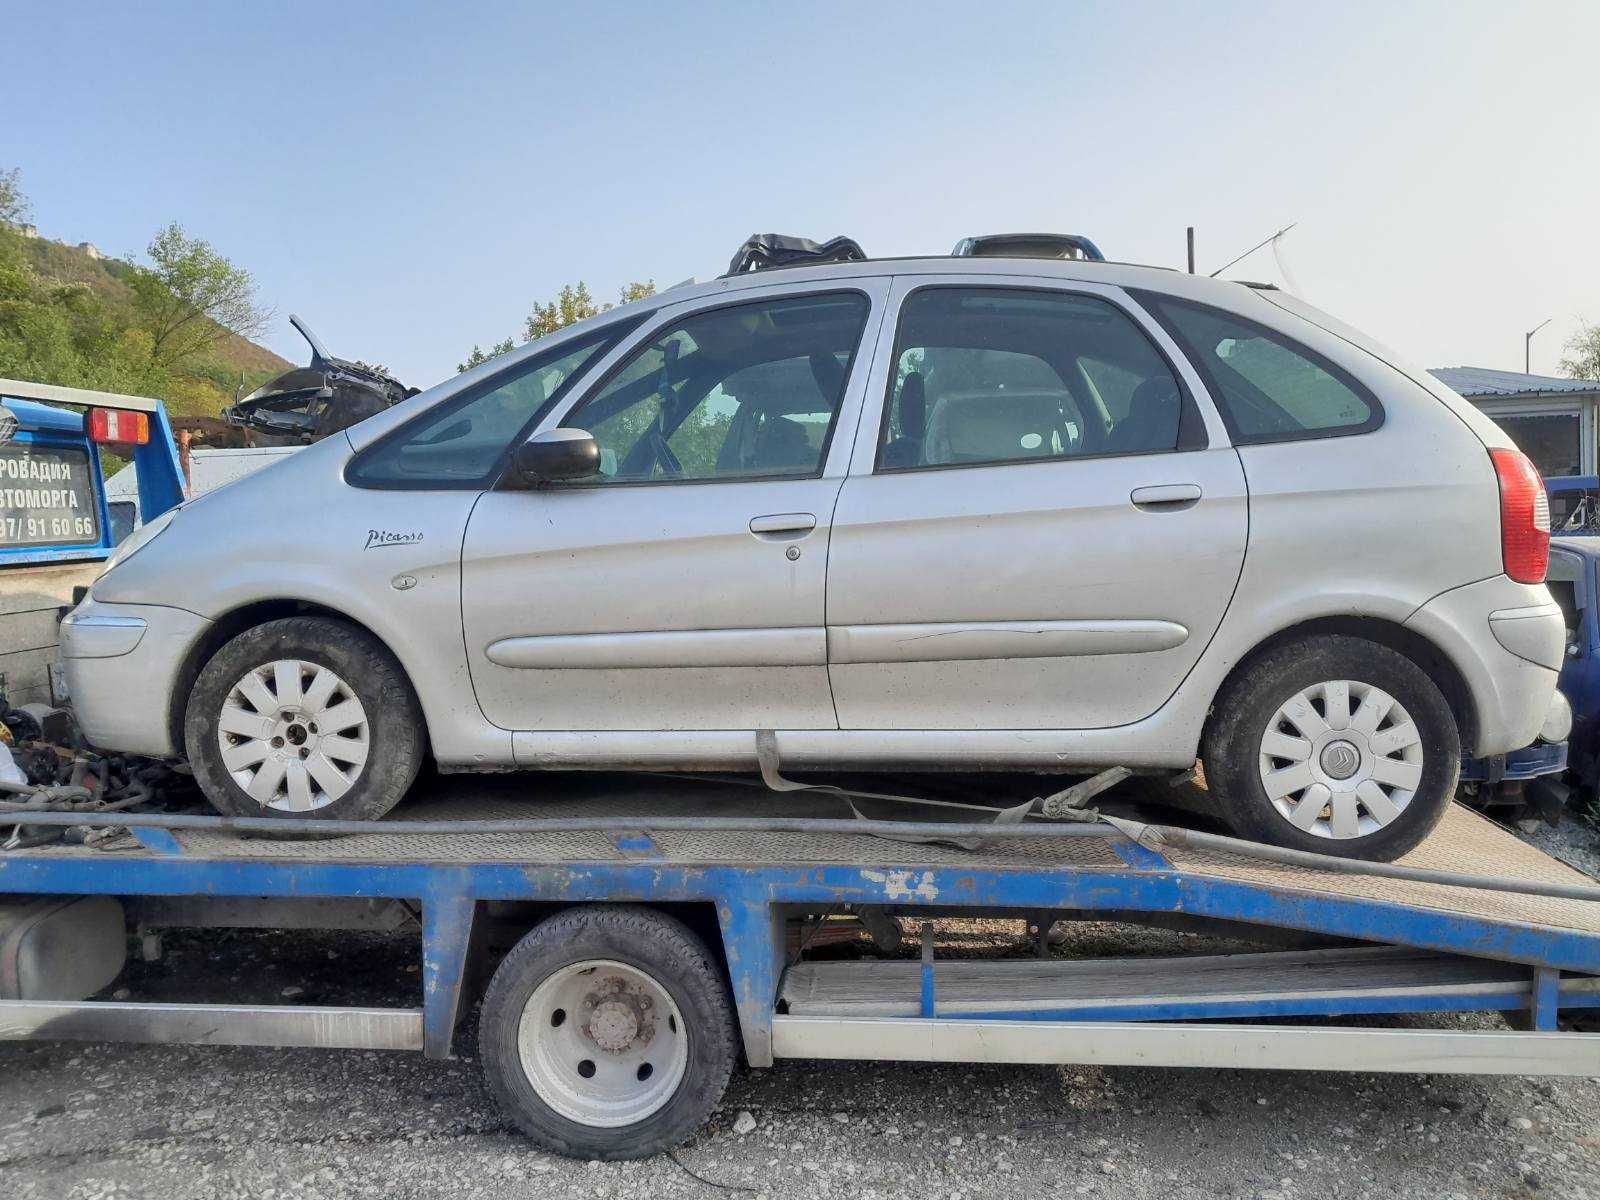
pixel 1554 420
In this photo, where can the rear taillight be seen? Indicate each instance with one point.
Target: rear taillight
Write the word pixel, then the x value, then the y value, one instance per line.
pixel 117 427
pixel 1524 516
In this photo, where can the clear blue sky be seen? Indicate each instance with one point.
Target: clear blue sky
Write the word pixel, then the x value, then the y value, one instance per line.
pixel 409 178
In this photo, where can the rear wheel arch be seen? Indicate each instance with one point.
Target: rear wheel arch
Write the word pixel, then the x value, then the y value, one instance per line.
pixel 1424 653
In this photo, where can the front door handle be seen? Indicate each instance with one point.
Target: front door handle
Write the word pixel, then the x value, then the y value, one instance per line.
pixel 1166 497
pixel 781 526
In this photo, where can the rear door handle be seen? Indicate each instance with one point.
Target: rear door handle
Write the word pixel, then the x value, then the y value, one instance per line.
pixel 1166 497
pixel 782 525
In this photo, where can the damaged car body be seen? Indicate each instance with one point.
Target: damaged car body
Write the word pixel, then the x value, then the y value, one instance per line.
pixel 310 403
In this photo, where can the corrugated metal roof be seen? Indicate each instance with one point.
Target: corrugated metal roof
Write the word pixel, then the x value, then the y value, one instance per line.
pixel 1480 381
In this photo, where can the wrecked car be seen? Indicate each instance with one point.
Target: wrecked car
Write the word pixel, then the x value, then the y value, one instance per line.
pixel 310 403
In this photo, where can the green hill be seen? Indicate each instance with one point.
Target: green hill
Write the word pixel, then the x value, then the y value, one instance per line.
pixel 64 264
pixel 68 316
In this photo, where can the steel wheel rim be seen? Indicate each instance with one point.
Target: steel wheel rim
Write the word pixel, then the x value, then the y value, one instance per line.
pixel 1341 759
pixel 602 1043
pixel 293 735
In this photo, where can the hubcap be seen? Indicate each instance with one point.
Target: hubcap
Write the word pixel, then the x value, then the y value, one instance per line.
pixel 602 1043
pixel 1341 759
pixel 293 735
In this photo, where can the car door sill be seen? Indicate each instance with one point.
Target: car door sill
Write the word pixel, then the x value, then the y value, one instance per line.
pixel 1136 745
pixel 956 641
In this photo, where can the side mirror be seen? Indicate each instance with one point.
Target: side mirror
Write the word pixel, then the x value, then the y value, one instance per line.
pixel 557 455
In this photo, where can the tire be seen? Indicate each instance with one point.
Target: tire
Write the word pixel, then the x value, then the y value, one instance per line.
pixel 534 1057
pixel 342 673
pixel 1289 693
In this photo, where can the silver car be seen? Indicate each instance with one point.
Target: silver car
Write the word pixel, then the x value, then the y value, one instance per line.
pixel 969 513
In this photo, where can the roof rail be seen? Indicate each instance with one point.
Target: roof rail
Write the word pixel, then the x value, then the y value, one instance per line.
pixel 765 251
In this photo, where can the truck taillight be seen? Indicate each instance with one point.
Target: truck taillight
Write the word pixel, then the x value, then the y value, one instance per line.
pixel 117 426
pixel 1524 516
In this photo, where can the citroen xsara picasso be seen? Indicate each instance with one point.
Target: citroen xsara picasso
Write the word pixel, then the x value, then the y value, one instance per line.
pixel 975 513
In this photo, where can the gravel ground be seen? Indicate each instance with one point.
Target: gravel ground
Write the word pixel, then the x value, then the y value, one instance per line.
pixel 1576 843
pixel 79 1122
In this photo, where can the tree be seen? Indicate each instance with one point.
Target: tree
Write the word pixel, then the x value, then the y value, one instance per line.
pixel 572 304
pixel 1581 357
pixel 190 298
pixel 14 206
pixel 481 356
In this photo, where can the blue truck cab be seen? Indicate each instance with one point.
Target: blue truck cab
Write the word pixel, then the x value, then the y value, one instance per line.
pixel 56 525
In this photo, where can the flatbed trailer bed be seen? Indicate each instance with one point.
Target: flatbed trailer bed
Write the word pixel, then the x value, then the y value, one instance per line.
pixel 1394 946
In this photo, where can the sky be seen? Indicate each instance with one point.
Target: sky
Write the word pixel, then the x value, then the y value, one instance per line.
pixel 411 178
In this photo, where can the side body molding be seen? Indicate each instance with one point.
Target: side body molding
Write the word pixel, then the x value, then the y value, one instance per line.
pixel 958 641
pixel 799 647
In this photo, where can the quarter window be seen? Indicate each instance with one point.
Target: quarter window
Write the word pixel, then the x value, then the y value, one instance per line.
pixel 1269 387
pixel 459 442
pixel 995 375
pixel 742 391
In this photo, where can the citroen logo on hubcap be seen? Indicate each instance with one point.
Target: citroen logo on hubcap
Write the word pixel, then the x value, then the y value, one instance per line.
pixel 1340 760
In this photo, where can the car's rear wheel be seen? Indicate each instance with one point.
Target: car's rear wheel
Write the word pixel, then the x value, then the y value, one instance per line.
pixel 607 1033
pixel 1335 745
pixel 304 717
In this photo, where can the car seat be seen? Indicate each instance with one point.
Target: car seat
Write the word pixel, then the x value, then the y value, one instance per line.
pixel 997 426
pixel 906 450
pixel 1152 420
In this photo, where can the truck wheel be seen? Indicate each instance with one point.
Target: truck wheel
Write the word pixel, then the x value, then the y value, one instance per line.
pixel 304 717
pixel 607 1033
pixel 1335 745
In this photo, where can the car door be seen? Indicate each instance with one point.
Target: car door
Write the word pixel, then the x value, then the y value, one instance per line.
pixel 1042 528
pixel 682 588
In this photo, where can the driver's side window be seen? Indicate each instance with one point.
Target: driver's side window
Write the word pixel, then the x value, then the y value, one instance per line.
pixel 463 441
pixel 741 391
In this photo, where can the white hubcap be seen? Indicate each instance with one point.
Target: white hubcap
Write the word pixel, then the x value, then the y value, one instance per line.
pixel 293 735
pixel 602 1043
pixel 1341 759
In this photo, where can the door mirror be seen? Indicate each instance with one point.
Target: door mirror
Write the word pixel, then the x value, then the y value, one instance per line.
pixel 558 454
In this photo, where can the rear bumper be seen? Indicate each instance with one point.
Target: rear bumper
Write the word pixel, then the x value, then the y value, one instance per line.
pixel 121 663
pixel 1507 639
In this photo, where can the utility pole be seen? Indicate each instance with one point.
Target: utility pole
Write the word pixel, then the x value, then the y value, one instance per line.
pixel 1527 344
pixel 1191 249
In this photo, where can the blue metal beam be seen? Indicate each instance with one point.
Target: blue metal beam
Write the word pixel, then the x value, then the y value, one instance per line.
pixel 447 918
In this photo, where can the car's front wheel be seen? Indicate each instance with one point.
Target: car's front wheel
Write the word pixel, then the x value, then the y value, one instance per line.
pixel 304 717
pixel 1335 745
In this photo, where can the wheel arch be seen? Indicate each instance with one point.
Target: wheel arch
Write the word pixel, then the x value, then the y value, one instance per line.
pixel 1419 649
pixel 231 624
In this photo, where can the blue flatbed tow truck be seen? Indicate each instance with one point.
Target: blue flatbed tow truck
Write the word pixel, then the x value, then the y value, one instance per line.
pixel 639 908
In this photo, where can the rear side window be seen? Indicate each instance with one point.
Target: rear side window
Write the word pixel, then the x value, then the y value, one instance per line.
pixel 998 375
pixel 460 443
pixel 1269 387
